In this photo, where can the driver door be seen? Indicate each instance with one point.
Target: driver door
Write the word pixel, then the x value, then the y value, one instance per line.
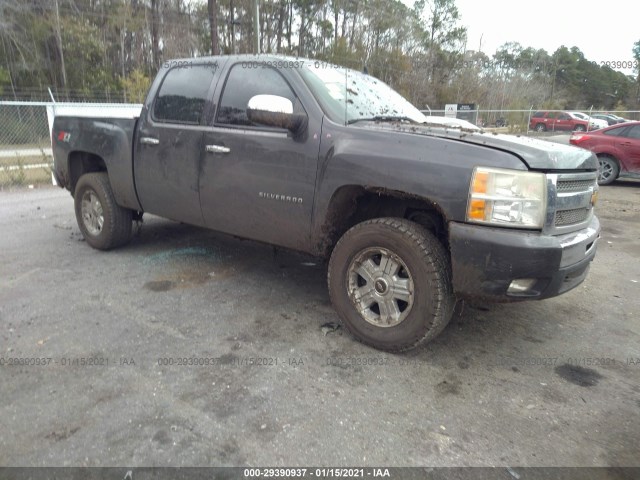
pixel 258 182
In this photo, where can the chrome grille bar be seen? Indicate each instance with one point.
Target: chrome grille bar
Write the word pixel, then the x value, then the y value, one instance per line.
pixel 569 205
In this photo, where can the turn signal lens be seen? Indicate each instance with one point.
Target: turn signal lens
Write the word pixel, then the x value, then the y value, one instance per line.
pixel 476 210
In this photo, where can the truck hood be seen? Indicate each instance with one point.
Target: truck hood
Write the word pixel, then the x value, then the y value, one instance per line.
pixel 536 154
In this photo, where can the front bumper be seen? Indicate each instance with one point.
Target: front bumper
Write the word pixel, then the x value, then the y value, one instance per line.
pixel 486 260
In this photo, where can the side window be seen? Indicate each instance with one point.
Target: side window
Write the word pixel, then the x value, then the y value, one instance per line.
pixel 552 115
pixel 563 116
pixel 183 94
pixel 244 83
pixel 616 132
pixel 634 132
pixel 538 115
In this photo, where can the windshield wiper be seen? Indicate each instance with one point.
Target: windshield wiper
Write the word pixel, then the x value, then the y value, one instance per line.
pixel 382 118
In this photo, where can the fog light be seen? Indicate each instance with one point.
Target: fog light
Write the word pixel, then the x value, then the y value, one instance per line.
pixel 521 285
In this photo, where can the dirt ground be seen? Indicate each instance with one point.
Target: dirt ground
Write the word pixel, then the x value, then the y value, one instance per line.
pixel 189 347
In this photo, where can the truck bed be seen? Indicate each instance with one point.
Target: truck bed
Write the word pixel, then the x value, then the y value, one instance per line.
pixel 110 139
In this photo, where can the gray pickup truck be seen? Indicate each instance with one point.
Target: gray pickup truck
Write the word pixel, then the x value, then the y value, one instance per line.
pixel 309 156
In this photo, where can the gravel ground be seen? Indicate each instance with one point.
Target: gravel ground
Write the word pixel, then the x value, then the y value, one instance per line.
pixel 552 383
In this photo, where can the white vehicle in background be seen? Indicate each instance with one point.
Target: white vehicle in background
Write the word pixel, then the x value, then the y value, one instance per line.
pixel 594 123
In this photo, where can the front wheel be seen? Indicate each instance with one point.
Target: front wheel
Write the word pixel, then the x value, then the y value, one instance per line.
pixel 390 282
pixel 608 169
pixel 103 223
pixel 540 127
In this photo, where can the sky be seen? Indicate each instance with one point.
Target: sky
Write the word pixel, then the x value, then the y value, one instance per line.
pixel 601 33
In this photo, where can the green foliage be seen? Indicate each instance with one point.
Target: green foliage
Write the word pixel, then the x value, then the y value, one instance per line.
pixel 136 86
pixel 112 49
pixel 636 56
pixel 620 107
pixel 4 80
pixel 18 176
pixel 340 54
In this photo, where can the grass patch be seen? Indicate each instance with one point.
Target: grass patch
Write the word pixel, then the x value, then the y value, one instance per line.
pixel 23 175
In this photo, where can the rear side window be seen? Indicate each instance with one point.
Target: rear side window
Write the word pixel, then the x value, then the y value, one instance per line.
pixel 244 83
pixel 615 132
pixel 183 94
pixel 634 132
pixel 538 115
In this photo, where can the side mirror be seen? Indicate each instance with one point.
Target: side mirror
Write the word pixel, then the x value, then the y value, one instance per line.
pixel 275 111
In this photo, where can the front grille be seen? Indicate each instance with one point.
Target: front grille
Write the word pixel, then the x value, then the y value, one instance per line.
pixel 575 185
pixel 569 217
pixel 569 208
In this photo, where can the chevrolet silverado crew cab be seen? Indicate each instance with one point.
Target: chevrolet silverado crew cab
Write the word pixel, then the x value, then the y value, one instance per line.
pixel 312 157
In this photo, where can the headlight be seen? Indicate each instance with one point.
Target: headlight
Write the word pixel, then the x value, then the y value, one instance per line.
pixel 507 198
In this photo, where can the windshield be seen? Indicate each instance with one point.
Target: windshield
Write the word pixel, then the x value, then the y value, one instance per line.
pixel 346 95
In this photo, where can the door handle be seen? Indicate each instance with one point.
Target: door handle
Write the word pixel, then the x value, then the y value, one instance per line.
pixel 217 149
pixel 149 141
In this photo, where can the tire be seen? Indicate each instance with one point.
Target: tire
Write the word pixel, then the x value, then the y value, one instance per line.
pixel 580 128
pixel 103 223
pixel 540 127
pixel 405 305
pixel 608 169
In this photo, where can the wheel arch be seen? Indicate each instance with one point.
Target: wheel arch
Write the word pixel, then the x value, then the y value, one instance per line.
pixel 353 204
pixel 607 153
pixel 81 162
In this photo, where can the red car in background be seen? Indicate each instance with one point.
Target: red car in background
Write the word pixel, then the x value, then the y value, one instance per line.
pixel 617 148
pixel 551 121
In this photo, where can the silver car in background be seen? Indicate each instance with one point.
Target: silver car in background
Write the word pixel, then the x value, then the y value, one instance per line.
pixel 594 123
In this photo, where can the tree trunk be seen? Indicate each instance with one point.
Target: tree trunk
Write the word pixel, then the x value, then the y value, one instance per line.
pixel 281 12
pixel 289 27
pixel 353 27
pixel 232 27
pixel 155 34
pixel 213 25
pixel 335 25
pixel 301 34
pixel 59 39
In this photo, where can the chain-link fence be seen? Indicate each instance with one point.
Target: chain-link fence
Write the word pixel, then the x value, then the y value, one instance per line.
pixel 25 145
pixel 25 148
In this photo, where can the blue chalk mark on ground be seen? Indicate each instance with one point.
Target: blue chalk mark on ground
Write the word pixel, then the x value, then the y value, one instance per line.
pixel 182 254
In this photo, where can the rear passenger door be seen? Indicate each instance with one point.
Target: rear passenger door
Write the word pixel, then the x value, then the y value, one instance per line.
pixel 168 147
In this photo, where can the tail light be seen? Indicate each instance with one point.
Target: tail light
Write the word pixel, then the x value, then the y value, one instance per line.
pixel 578 138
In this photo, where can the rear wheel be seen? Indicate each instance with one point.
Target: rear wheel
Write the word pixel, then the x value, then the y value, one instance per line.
pixel 580 128
pixel 103 223
pixel 540 127
pixel 390 282
pixel 608 169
